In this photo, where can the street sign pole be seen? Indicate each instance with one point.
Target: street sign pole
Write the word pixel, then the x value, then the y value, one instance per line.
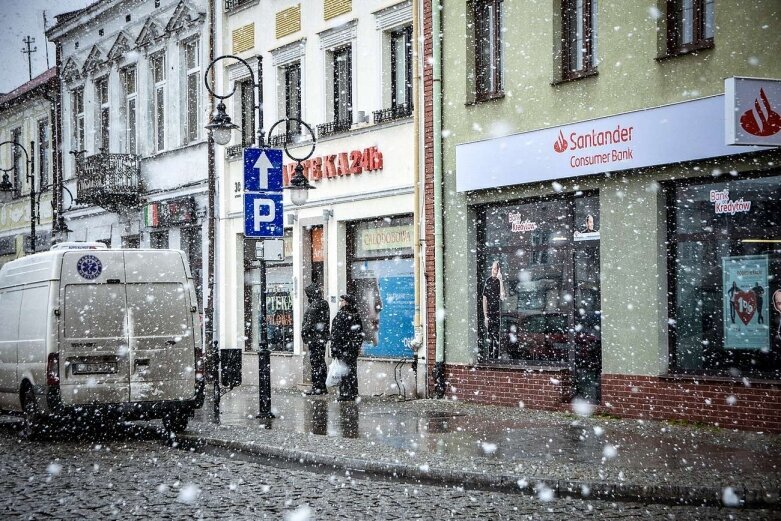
pixel 263 212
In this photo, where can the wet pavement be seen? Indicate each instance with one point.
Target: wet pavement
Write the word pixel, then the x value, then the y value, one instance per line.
pixel 506 448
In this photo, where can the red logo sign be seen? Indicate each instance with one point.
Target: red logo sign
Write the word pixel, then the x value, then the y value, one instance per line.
pixel 561 144
pixel 745 305
pixel 761 121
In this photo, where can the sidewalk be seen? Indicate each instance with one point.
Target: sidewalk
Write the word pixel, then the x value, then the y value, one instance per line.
pixel 503 448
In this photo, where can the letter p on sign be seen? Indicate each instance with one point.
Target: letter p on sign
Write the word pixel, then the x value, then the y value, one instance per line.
pixel 263 214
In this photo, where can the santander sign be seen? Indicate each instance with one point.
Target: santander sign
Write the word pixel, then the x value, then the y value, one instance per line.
pixel 591 147
pixel 751 111
pixel 761 120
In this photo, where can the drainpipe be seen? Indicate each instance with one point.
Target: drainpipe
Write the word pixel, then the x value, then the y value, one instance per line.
pixel 417 341
pixel 439 295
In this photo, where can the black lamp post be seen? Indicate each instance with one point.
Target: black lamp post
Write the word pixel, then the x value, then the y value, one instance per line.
pixel 6 187
pixel 221 128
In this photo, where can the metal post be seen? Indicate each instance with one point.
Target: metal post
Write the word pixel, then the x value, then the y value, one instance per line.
pixel 31 178
pixel 264 355
pixel 215 370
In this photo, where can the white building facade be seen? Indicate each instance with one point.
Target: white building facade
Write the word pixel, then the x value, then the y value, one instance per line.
pixel 345 68
pixel 133 109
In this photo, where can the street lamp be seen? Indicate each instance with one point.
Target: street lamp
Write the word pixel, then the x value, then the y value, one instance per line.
pixel 221 128
pixel 6 188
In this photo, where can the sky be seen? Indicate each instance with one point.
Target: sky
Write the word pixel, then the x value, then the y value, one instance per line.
pixel 19 18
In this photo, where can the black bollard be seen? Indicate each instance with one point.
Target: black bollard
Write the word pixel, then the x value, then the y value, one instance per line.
pixel 264 384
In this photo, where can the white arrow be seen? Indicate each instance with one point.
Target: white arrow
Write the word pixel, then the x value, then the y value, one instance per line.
pixel 262 165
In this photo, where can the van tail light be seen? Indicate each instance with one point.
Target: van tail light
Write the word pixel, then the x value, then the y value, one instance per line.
pixel 199 363
pixel 53 370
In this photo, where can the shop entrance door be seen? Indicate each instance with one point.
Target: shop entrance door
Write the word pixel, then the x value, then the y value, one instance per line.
pixel 586 345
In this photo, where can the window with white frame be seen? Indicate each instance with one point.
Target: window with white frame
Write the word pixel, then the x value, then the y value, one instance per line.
pixel 292 77
pixel 158 100
pixel 247 108
pixel 131 109
pixel 192 63
pixel 104 113
pixel 343 89
pixel 401 68
pixel 77 106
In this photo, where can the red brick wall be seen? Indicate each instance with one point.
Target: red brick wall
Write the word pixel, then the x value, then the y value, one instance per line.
pixel 537 389
pixel 755 407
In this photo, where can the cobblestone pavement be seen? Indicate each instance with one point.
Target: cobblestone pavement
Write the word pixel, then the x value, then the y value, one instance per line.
pixel 135 474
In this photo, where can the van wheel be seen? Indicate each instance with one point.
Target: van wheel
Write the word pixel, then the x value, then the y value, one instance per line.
pixel 32 422
pixel 175 422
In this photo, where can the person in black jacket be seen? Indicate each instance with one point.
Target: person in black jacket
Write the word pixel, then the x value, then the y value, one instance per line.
pixel 314 332
pixel 346 340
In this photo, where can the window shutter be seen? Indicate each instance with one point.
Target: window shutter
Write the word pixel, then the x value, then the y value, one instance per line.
pixel 333 8
pixel 244 38
pixel 288 21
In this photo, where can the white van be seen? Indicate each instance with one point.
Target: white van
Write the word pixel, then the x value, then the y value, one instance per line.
pixel 89 333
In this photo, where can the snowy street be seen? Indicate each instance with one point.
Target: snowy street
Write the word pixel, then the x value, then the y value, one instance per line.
pixel 134 473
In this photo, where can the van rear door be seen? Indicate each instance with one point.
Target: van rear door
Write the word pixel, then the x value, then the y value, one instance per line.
pixel 94 356
pixel 160 326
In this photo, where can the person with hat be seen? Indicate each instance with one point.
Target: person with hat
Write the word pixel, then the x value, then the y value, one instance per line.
pixel 346 341
pixel 314 331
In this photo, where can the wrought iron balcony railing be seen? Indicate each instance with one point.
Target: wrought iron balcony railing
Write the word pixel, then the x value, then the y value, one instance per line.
pixel 235 4
pixel 393 113
pixel 334 127
pixel 111 181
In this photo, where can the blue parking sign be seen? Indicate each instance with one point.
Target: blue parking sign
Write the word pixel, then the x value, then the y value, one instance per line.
pixel 263 214
pixel 262 170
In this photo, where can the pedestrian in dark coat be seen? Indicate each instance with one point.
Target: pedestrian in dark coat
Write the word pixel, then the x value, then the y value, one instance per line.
pixel 346 341
pixel 315 330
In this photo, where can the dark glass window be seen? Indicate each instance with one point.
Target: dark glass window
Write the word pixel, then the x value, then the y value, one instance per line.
pixel 101 93
pixel 689 25
pixel 488 48
pixel 401 68
pixel 293 95
pixel 725 265
pixel 43 154
pixel 546 310
pixel 159 240
pixel 16 137
pixel 247 90
pixel 343 89
pixel 579 38
pixel 191 245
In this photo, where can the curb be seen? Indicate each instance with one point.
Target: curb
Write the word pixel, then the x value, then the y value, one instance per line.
pixel 582 489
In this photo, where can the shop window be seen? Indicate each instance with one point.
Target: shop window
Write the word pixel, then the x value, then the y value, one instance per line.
pixel 539 289
pixel 725 265
pixel 579 38
pixel 690 25
pixel 380 277
pixel 279 300
pixel 488 27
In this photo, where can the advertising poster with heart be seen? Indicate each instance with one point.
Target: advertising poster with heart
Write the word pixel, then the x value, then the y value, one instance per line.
pixel 746 307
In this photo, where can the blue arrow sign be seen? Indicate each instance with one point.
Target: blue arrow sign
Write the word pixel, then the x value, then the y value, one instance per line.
pixel 263 215
pixel 262 170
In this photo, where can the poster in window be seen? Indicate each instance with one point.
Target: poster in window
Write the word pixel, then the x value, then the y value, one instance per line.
pixel 744 302
pixel 386 302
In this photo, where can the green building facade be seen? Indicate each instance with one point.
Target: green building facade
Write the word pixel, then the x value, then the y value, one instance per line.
pixel 588 148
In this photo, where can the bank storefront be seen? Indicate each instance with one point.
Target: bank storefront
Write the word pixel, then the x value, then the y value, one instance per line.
pixel 639 258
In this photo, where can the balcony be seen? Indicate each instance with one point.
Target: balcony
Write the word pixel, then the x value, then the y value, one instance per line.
pixel 334 127
pixel 230 5
pixel 111 181
pixel 393 113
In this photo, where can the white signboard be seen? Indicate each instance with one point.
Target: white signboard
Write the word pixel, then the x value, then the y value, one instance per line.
pixel 752 111
pixel 681 132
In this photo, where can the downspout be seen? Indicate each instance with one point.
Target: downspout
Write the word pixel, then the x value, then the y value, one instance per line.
pixel 417 341
pixel 439 294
